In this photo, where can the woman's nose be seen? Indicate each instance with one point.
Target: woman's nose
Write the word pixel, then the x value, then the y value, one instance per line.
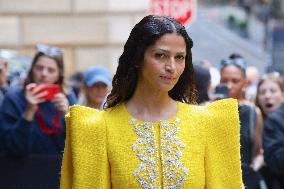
pixel 267 94
pixel 170 65
pixel 44 72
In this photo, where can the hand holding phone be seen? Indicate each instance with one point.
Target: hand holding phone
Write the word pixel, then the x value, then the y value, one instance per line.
pixel 36 94
pixel 61 103
pixel 51 90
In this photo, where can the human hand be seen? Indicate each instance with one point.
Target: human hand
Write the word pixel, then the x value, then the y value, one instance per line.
pixel 33 94
pixel 33 97
pixel 61 103
pixel 258 162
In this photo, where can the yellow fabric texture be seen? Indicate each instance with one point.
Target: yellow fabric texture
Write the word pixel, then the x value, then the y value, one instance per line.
pixel 98 150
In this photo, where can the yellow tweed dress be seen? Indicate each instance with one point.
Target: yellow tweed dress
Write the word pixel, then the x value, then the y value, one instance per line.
pixel 197 148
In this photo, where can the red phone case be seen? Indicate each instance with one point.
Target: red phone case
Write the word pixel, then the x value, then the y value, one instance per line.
pixel 52 90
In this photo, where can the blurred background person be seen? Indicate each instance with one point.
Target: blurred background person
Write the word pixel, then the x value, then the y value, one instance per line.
pixel 96 87
pixel 214 73
pixel 203 78
pixel 270 91
pixel 273 142
pixel 31 122
pixel 233 75
pixel 252 81
pixel 76 82
pixel 3 78
pixel 3 88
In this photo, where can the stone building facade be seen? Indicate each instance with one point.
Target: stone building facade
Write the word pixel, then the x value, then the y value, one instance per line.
pixel 91 32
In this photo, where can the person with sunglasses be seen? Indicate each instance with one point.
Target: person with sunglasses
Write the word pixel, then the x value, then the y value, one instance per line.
pixel 233 75
pixel 32 118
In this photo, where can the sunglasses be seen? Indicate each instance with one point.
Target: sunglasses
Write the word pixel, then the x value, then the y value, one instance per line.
pixel 239 62
pixel 49 51
pixel 271 75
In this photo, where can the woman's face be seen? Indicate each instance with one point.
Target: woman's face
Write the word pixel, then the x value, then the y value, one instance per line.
pixel 269 96
pixel 45 71
pixel 97 93
pixel 164 62
pixel 233 77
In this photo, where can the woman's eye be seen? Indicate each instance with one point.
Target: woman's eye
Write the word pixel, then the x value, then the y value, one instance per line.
pixel 38 68
pixel 160 55
pixel 180 57
pixel 51 70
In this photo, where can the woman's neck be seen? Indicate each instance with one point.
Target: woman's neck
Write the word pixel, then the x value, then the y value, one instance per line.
pixel 149 105
pixel 94 105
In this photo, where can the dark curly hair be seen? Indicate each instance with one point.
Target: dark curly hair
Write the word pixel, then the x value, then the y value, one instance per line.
pixel 143 35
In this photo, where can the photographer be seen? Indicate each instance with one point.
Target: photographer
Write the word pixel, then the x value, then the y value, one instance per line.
pixel 33 118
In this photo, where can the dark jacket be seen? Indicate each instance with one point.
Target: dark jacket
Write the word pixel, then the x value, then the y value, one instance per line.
pixel 22 137
pixel 273 143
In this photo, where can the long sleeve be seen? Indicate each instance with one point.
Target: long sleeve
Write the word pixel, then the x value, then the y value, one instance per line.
pixel 273 142
pixel 85 160
pixel 222 151
pixel 22 137
pixel 16 130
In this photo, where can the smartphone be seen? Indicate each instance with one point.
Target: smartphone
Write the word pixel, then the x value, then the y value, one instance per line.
pixel 51 89
pixel 222 91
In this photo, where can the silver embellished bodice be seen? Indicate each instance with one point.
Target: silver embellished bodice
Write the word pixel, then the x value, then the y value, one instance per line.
pixel 152 152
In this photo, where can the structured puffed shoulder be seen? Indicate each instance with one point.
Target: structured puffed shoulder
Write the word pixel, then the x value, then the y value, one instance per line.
pixel 211 110
pixel 83 114
pixel 82 117
pixel 224 119
pixel 85 146
pixel 223 145
pixel 226 105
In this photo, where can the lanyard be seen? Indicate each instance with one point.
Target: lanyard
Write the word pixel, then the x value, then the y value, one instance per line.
pixel 43 125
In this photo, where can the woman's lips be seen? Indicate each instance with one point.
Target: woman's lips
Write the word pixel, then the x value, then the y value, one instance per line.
pixel 168 78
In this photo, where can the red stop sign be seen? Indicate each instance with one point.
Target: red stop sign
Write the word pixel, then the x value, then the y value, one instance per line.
pixel 182 10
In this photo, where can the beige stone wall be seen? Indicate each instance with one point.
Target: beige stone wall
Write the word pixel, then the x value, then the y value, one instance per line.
pixel 91 32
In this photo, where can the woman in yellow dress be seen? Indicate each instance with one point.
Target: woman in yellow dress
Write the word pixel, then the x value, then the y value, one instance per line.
pixel 150 134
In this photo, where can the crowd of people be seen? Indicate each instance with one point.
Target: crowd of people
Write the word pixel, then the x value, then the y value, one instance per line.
pixel 260 100
pixel 186 132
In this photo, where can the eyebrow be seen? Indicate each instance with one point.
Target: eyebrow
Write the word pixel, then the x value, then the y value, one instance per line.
pixel 179 53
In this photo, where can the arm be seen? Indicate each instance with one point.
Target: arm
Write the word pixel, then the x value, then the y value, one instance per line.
pixel 273 142
pixel 222 152
pixel 16 129
pixel 258 160
pixel 85 160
